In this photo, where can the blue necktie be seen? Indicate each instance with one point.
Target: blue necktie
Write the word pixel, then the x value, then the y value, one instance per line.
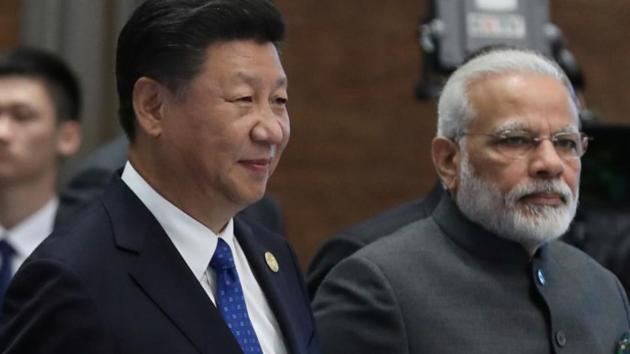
pixel 230 299
pixel 6 268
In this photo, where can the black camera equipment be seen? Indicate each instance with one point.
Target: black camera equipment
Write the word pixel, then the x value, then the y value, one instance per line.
pixel 457 28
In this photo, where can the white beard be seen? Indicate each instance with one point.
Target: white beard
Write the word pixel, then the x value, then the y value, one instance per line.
pixel 530 225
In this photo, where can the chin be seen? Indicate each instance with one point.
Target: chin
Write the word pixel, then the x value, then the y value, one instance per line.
pixel 249 196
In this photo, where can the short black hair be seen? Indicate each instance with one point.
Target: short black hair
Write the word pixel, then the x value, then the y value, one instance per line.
pixel 166 40
pixel 60 81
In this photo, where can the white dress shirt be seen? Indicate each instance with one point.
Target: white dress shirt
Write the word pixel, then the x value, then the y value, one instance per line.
pixel 28 234
pixel 196 244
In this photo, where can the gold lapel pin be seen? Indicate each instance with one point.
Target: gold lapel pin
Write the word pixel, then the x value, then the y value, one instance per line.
pixel 272 263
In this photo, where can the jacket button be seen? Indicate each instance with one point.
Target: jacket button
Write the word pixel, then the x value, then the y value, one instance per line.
pixel 541 277
pixel 561 338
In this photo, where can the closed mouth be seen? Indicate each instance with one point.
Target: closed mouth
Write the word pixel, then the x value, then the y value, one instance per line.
pixel 257 164
pixel 545 198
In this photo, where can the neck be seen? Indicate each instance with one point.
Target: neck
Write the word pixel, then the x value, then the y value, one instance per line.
pixel 19 201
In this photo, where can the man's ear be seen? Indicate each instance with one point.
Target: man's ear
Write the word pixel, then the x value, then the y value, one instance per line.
pixel 148 102
pixel 446 158
pixel 68 138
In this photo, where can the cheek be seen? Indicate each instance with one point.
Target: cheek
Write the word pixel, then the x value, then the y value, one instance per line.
pixel 286 132
pixel 38 139
pixel 39 151
pixel 506 176
pixel 572 178
pixel 512 176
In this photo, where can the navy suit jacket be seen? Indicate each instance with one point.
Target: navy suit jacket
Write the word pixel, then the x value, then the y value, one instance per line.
pixel 112 282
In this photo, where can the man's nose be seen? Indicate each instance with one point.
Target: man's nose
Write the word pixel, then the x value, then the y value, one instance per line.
pixel 269 128
pixel 6 127
pixel 545 161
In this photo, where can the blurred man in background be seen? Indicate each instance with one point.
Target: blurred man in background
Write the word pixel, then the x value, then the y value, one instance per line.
pixel 39 124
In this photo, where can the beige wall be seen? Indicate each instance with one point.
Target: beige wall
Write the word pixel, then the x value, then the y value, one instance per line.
pixel 360 141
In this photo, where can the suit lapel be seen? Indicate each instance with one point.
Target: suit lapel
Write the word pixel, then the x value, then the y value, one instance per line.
pixel 163 275
pixel 285 298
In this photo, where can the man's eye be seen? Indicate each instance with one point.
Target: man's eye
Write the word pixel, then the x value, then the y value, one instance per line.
pixel 247 99
pixel 22 114
pixel 281 101
pixel 515 141
pixel 566 143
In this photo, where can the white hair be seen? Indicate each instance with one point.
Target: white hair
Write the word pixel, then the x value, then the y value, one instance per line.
pixel 454 109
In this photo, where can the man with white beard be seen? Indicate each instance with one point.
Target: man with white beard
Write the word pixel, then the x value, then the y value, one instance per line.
pixel 485 273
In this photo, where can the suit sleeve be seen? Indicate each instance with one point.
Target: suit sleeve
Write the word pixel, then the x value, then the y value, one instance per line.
pixel 48 310
pixel 329 255
pixel 356 311
pixel 624 299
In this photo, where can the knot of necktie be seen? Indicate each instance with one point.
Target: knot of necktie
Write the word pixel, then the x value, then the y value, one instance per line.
pixel 222 258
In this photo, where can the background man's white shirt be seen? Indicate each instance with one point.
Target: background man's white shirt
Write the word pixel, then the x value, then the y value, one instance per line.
pixel 28 234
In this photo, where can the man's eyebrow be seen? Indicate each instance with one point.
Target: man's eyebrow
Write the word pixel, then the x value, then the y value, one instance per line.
pixel 248 79
pixel 521 127
pixel 571 128
pixel 23 106
pixel 514 126
pixel 16 103
pixel 282 81
pixel 257 81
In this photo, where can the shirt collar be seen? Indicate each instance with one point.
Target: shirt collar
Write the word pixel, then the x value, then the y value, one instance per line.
pixel 28 234
pixel 194 241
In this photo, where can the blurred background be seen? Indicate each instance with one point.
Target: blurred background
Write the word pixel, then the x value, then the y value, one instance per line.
pixel 360 138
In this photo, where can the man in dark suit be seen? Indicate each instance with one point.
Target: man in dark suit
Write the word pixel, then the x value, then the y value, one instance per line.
pixel 486 273
pixel 159 263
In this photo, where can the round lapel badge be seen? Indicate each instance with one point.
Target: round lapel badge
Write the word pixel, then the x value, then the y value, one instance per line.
pixel 272 263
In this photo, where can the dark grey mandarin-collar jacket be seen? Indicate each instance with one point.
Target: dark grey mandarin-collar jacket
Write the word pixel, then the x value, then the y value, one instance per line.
pixel 445 285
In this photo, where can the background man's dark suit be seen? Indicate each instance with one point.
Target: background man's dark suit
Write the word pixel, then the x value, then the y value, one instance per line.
pixel 345 243
pixel 147 289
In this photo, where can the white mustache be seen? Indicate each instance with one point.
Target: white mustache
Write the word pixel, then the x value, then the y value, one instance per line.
pixel 540 186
